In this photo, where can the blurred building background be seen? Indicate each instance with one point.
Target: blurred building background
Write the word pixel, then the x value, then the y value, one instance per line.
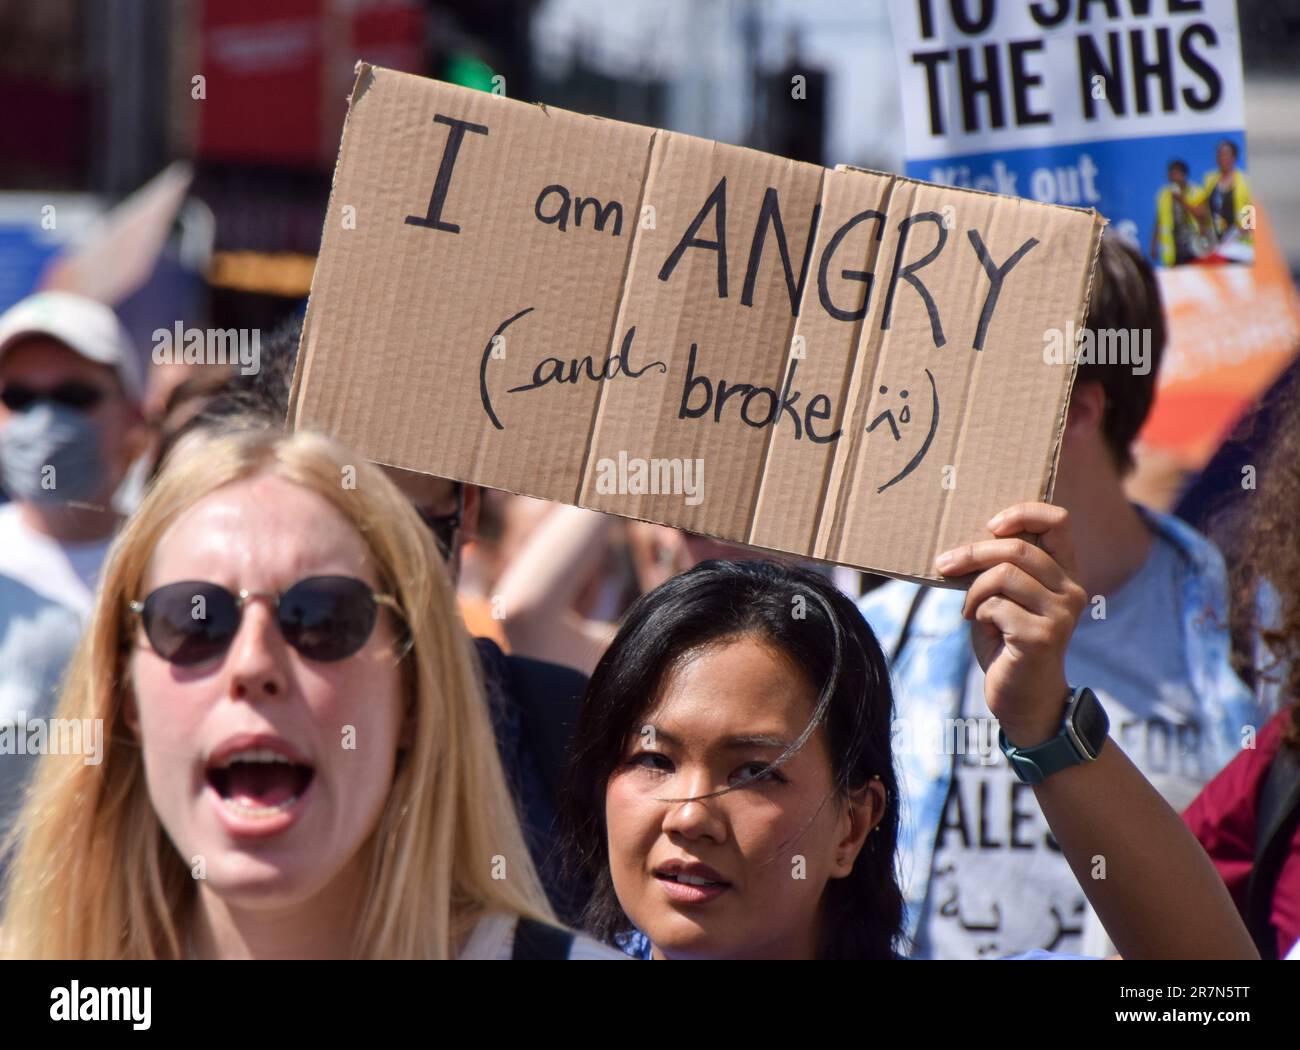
pixel 178 155
pixel 101 95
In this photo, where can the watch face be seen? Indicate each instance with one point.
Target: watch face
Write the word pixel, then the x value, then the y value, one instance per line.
pixel 1090 722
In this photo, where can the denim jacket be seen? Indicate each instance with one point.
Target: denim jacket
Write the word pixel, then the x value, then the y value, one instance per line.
pixel 930 677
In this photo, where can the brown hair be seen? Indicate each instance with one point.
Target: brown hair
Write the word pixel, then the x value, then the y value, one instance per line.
pixel 1258 536
pixel 1125 296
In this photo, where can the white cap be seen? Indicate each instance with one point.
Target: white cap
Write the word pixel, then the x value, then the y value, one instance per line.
pixel 85 326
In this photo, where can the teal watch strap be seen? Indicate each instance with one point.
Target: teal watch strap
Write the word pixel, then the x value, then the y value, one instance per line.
pixel 1083 732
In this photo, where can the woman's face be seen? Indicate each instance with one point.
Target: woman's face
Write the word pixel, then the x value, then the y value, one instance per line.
pixel 261 831
pixel 741 875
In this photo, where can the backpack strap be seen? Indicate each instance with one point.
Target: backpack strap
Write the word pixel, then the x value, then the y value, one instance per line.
pixel 908 620
pixel 540 940
pixel 1277 815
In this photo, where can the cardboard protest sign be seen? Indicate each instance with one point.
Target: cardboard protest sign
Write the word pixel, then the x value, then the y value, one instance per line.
pixel 1132 107
pixel 843 365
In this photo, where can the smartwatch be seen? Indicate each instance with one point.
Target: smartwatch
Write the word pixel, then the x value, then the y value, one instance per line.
pixel 1083 732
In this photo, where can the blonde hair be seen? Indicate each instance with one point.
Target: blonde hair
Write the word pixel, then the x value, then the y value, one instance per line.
pixel 94 874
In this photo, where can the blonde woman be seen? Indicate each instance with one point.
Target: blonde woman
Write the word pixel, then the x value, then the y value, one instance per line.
pixel 298 760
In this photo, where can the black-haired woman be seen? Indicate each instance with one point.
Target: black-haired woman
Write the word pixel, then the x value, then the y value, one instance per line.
pixel 733 792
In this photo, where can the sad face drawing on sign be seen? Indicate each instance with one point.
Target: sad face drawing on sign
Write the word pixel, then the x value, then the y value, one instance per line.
pixel 903 417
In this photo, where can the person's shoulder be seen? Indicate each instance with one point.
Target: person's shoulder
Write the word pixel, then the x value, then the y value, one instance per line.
pixel 24 552
pixel 546 698
pixel 491 655
pixel 1269 741
pixel 546 678
pixel 11 525
pixel 495 934
pixel 1178 534
pixel 588 949
pixel 1041 955
pixel 491 937
pixel 1198 554
pixel 1224 811
pixel 516 674
pixel 25 556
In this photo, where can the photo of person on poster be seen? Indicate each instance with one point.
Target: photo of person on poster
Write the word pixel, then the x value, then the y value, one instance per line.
pixel 1212 223
pixel 1225 205
pixel 1177 237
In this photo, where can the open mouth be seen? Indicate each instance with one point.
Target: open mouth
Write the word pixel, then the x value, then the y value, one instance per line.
pixel 259 782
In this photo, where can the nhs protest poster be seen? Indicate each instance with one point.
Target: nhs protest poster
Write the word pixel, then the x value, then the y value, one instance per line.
pixel 1132 107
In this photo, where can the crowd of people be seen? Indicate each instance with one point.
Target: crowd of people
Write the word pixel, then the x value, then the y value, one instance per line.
pixel 352 711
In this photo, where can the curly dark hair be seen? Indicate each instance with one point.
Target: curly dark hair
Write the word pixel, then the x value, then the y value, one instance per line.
pixel 1259 538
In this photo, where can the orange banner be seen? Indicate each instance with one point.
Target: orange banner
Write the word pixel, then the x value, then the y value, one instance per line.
pixel 1232 329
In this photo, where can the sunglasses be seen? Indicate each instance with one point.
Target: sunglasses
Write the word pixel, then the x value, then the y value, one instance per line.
pixel 326 618
pixel 83 397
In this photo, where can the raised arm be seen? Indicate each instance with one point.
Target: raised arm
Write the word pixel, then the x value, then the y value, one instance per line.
pixel 538 590
pixel 1160 896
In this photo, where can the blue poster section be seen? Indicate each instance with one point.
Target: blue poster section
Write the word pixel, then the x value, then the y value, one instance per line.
pixel 23 257
pixel 1122 178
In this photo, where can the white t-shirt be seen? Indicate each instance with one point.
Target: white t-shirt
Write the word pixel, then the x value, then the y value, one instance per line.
pixel 494 938
pixel 46 590
pixel 62 572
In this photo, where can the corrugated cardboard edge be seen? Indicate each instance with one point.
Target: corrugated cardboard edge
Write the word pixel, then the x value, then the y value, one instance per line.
pixel 846 453
pixel 969 189
pixel 1099 224
pixel 928 581
pixel 616 319
pixel 364 78
pixel 1099 228
pixel 787 368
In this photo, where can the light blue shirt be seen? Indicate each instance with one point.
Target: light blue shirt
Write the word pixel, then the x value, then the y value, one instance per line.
pixel 931 680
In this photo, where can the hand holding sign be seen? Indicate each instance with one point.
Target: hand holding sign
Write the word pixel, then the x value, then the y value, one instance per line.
pixel 1025 603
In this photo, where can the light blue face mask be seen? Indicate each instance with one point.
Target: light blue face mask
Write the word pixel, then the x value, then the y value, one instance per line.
pixel 50 453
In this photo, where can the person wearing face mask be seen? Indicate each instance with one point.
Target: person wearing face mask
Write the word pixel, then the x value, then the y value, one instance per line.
pixel 70 425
